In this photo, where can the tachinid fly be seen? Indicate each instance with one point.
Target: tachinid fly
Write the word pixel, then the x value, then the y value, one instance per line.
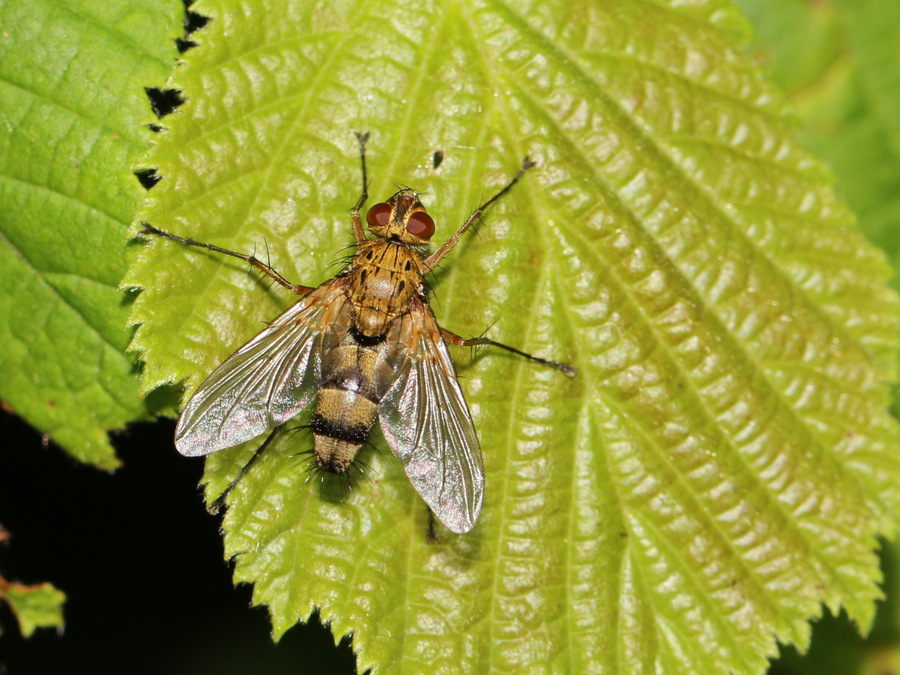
pixel 363 345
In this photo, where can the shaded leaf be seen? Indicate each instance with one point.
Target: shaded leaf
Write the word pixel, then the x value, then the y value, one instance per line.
pixel 35 606
pixel 72 78
pixel 724 459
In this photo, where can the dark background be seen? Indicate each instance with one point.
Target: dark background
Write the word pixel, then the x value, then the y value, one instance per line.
pixel 141 563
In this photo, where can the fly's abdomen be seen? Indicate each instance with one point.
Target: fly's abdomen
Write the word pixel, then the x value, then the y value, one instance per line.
pixel 341 424
pixel 347 403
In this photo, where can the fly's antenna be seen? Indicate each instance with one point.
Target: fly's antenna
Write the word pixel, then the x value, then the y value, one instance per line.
pixel 403 187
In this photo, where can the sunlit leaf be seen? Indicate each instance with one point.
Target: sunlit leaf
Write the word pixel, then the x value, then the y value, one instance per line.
pixel 839 64
pixel 723 461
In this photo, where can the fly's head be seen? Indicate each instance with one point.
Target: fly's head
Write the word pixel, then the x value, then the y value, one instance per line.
pixel 401 219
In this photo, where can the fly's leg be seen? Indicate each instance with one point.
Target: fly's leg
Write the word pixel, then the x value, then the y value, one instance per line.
pixel 358 231
pixel 258 264
pixel 435 257
pixel 215 506
pixel 432 531
pixel 455 339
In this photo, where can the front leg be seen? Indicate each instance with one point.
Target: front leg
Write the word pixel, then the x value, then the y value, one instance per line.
pixel 258 264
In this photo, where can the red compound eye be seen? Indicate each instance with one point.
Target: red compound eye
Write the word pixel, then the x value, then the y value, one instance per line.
pixel 420 225
pixel 379 215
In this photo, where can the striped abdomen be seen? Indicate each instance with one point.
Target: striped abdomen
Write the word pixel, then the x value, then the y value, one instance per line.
pixel 354 378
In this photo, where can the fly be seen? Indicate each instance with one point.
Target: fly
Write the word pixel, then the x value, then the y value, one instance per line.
pixel 362 346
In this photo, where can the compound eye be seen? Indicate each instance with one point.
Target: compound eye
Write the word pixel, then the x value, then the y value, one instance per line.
pixel 379 215
pixel 420 225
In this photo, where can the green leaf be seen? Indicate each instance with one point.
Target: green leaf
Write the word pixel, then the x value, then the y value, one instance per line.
pixel 849 97
pixel 723 461
pixel 72 78
pixel 837 648
pixel 35 606
pixel 846 96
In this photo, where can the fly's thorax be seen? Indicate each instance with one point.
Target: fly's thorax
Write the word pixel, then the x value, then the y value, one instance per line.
pixel 354 379
pixel 385 276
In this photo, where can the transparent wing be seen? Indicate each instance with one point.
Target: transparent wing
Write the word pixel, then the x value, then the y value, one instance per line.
pixel 428 425
pixel 268 380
